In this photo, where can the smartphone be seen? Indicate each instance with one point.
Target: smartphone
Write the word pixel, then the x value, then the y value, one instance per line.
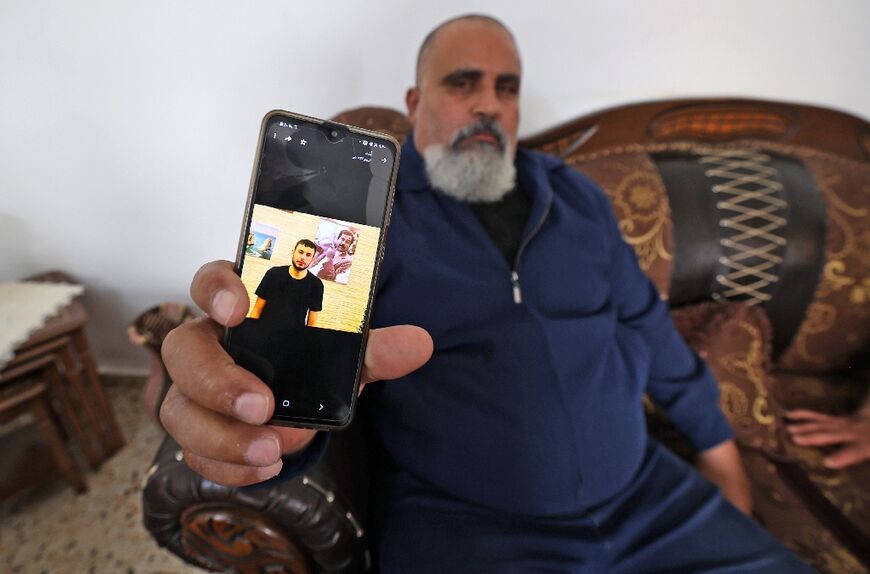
pixel 309 251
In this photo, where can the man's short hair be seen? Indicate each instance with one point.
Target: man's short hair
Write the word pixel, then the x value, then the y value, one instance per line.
pixel 343 231
pixel 425 47
pixel 307 243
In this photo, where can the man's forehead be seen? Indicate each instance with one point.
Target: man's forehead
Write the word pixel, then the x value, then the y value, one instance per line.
pixel 472 45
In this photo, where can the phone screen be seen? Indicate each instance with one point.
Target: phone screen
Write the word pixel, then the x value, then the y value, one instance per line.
pixel 308 258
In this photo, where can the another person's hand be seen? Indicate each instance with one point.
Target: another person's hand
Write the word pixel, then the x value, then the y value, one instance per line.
pixel 216 410
pixel 721 465
pixel 850 433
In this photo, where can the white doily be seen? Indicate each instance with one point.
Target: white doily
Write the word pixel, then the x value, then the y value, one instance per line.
pixel 25 307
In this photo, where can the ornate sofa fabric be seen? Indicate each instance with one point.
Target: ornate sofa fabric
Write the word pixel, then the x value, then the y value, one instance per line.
pixel 753 220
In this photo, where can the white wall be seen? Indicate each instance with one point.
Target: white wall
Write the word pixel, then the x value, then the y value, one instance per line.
pixel 127 129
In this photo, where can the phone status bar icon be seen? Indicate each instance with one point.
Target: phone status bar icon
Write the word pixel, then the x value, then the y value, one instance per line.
pixel 284 130
pixel 289 139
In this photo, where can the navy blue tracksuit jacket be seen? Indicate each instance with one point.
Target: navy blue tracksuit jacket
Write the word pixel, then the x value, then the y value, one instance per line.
pixel 532 400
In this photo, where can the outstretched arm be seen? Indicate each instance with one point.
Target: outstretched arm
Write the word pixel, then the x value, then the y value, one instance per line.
pixel 217 410
pixel 678 380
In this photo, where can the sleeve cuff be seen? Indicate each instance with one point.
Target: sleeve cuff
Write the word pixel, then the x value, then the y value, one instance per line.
pixel 714 432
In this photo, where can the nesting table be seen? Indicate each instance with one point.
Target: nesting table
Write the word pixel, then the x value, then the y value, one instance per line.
pixel 47 369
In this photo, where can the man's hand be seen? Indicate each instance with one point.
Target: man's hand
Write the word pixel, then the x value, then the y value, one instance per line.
pixel 721 465
pixel 851 433
pixel 216 410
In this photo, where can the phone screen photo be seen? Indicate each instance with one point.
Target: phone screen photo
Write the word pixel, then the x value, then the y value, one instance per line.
pixel 311 243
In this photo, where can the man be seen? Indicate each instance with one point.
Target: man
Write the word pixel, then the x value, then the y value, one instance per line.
pixel 333 264
pixel 289 296
pixel 520 446
pixel 271 342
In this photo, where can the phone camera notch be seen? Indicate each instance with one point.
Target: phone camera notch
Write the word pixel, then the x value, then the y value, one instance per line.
pixel 333 132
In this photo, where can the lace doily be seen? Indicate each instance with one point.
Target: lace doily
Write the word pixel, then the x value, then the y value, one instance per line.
pixel 25 307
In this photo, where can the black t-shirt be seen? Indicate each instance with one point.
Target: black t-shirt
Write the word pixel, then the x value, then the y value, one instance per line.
pixel 288 300
pixel 505 221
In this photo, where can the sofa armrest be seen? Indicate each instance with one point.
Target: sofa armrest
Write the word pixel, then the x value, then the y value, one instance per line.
pixel 306 524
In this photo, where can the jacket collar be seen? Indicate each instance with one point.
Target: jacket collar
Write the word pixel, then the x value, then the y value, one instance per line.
pixel 412 171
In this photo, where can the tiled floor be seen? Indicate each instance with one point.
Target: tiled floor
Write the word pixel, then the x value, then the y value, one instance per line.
pixel 50 529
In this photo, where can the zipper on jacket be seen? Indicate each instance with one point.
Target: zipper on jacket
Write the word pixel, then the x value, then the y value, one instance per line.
pixel 518 294
pixel 515 276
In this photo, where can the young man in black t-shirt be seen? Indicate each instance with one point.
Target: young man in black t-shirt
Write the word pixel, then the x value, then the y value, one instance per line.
pixel 289 297
pixel 274 341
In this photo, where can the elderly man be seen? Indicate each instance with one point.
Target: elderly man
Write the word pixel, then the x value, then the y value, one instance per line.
pixel 333 263
pixel 520 446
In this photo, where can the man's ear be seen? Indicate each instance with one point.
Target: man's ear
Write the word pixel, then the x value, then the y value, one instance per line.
pixel 412 100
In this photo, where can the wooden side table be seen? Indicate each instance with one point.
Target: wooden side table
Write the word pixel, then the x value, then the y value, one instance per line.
pixel 64 335
pixel 79 368
pixel 31 396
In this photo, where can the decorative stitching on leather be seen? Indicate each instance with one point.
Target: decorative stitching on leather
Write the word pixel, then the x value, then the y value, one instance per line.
pixel 358 531
pixel 751 225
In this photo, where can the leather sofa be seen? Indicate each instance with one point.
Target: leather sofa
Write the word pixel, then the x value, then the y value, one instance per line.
pixel 753 219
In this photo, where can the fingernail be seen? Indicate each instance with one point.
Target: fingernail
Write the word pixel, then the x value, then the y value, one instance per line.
pixel 267 472
pixel 222 305
pixel 263 451
pixel 251 408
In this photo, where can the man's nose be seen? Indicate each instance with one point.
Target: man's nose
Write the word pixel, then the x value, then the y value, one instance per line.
pixel 486 104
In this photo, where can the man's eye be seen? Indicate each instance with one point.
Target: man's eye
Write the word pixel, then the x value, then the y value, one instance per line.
pixel 509 88
pixel 461 83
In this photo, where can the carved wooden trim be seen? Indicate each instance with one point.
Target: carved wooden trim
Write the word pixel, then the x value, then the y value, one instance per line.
pixel 710 119
pixel 237 538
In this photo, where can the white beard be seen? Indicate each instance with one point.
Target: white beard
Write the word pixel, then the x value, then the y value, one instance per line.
pixel 482 174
